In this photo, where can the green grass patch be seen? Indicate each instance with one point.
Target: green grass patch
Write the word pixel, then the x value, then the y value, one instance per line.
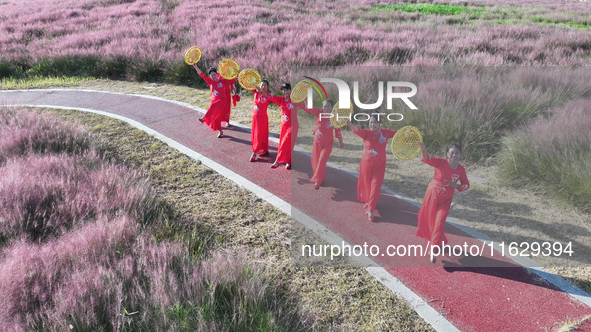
pixel 37 81
pixel 426 8
pixel 500 15
pixel 549 21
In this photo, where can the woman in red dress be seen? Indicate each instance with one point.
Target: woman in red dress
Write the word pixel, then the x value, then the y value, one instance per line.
pixel 220 99
pixel 449 176
pixel 289 126
pixel 373 163
pixel 259 135
pixel 323 141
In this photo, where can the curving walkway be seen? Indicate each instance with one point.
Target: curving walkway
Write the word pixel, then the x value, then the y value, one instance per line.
pixel 467 294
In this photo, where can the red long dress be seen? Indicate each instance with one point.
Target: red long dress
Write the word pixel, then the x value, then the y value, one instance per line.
pixel 259 135
pixel 372 166
pixel 228 109
pixel 437 201
pixel 323 144
pixel 289 128
pixel 220 101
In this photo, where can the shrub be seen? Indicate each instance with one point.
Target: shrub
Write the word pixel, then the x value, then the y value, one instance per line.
pixel 44 196
pixel 6 69
pixel 553 154
pixel 23 132
pixel 72 65
pixel 147 70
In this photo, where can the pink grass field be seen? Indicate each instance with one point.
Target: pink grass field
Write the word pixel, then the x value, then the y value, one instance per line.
pixel 72 247
pixel 77 252
pixel 273 36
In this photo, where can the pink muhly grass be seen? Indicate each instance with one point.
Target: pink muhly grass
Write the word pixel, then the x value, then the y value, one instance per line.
pixel 565 134
pixel 43 196
pixel 73 256
pixel 105 275
pixel 274 37
pixel 23 132
pixel 42 285
pixel 553 153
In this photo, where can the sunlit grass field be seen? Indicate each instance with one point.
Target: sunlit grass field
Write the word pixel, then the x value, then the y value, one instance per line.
pixel 506 79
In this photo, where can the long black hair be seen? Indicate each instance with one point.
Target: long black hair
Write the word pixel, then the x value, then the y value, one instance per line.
pixel 451 145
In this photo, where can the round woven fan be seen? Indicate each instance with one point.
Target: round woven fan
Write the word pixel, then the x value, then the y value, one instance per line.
pixel 228 69
pixel 249 79
pixel 340 115
pixel 300 91
pixel 193 55
pixel 405 144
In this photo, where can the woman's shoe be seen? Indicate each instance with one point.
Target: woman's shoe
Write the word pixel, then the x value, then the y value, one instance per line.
pixel 253 157
pixel 288 166
pixel 316 186
pixel 220 134
pixel 275 165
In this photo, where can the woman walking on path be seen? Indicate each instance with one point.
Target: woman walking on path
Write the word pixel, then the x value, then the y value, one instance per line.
pixel 220 94
pixel 289 126
pixel 259 135
pixel 449 176
pixel 323 141
pixel 373 163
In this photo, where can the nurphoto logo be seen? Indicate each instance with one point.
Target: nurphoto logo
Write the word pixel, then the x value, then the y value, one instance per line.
pixel 344 99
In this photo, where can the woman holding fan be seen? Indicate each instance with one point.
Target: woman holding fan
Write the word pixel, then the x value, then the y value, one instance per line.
pixel 259 135
pixel 449 176
pixel 323 141
pixel 373 163
pixel 220 94
pixel 289 126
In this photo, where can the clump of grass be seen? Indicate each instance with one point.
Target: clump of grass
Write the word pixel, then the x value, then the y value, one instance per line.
pixel 44 196
pixel 107 276
pixel 572 324
pixel 52 178
pixel 553 154
pixel 24 132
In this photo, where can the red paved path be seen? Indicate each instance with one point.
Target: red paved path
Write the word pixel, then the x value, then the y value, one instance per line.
pixel 471 298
